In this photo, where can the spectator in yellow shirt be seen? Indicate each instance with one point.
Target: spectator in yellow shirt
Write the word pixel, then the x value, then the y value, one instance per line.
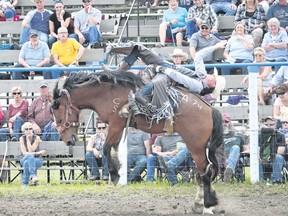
pixel 66 52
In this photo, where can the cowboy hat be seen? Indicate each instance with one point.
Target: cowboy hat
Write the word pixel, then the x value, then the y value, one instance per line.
pixel 179 52
pixel 220 84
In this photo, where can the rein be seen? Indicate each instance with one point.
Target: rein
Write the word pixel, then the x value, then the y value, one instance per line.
pixel 69 107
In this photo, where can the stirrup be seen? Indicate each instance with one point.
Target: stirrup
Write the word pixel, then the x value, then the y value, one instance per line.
pixel 168 127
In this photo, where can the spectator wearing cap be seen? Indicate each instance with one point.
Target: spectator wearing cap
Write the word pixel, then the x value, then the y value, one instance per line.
pixel 87 25
pixel 228 6
pixel 17 114
pixel 40 115
pixel 272 145
pixel 199 13
pixel 60 18
pixel 33 54
pixel 239 48
pixel 173 24
pixel 66 52
pixel 37 19
pixel 232 145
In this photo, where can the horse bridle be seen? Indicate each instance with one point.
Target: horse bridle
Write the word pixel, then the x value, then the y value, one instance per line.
pixel 68 111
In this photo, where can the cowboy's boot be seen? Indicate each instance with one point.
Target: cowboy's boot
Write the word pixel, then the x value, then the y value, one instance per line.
pixel 123 66
pixel 126 50
pixel 148 56
pixel 144 101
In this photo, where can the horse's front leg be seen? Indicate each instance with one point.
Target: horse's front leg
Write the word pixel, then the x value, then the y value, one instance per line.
pixel 113 163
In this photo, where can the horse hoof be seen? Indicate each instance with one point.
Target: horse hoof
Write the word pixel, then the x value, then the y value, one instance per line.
pixel 115 180
pixel 197 208
pixel 208 211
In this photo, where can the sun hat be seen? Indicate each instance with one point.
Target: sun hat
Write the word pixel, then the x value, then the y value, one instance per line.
pixel 179 52
pixel 220 84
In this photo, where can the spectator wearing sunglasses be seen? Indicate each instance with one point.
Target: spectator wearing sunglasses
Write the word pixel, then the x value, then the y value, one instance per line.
pixel 31 156
pixel 272 145
pixel 40 115
pixel 17 114
pixel 284 128
pixel 280 107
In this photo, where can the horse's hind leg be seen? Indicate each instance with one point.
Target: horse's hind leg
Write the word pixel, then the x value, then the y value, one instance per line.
pixel 113 163
pixel 210 198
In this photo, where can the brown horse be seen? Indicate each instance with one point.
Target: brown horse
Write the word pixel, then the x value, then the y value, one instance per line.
pixel 199 124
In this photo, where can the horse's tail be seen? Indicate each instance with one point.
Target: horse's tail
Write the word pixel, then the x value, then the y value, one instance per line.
pixel 216 140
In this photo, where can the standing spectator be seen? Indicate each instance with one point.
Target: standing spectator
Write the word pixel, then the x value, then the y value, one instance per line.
pixel 60 18
pixel 7 9
pixel 254 16
pixel 271 144
pixel 239 48
pixel 280 106
pixel 173 24
pixel 279 10
pixel 203 39
pixel 275 42
pixel 40 115
pixel 264 75
pixel 33 54
pixel 138 149
pixel 37 19
pixel 31 157
pixel 17 114
pixel 166 145
pixel 227 6
pixel 66 52
pixel 199 13
pixel 94 154
pixel 87 25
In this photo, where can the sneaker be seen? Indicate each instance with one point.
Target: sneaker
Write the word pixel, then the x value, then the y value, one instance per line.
pixel 14 139
pixel 95 45
pixel 185 43
pixel 34 180
pixel 105 178
pixel 94 178
pixel 158 45
pixel 228 174
pixel 163 164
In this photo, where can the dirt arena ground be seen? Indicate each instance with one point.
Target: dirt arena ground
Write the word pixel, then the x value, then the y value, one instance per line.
pixel 138 201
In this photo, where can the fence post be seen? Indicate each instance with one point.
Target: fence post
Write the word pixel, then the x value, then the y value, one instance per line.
pixel 122 152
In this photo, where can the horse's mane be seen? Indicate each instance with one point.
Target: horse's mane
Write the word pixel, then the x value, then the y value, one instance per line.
pixel 80 79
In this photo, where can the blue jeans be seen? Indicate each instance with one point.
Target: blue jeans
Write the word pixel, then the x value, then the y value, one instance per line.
pixel 138 163
pixel 50 133
pixel 92 36
pixel 277 166
pixel 30 165
pixel 191 29
pixel 226 70
pixel 4 132
pixel 51 40
pixel 223 6
pixel 24 36
pixel 173 163
pixel 151 160
pixel 9 14
pixel 92 162
pixel 233 157
pixel 19 75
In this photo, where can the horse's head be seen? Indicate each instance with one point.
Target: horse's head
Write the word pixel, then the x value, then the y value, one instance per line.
pixel 66 115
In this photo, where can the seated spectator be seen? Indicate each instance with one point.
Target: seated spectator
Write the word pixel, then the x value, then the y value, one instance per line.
pixel 279 10
pixel 179 57
pixel 37 19
pixel 60 18
pixel 239 48
pixel 264 75
pixel 201 39
pixel 138 145
pixel 87 25
pixel 199 13
pixel 166 146
pixel 272 145
pixel 7 9
pixel 280 106
pixel 254 16
pixel 41 117
pixel 31 157
pixel 173 24
pixel 232 147
pixel 284 128
pixel 33 54
pixel 275 43
pixel 94 154
pixel 17 114
pixel 227 6
pixel 66 52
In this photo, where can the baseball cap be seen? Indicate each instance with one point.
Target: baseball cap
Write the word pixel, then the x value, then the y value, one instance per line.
pixel 205 23
pixel 33 32
pixel 43 84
